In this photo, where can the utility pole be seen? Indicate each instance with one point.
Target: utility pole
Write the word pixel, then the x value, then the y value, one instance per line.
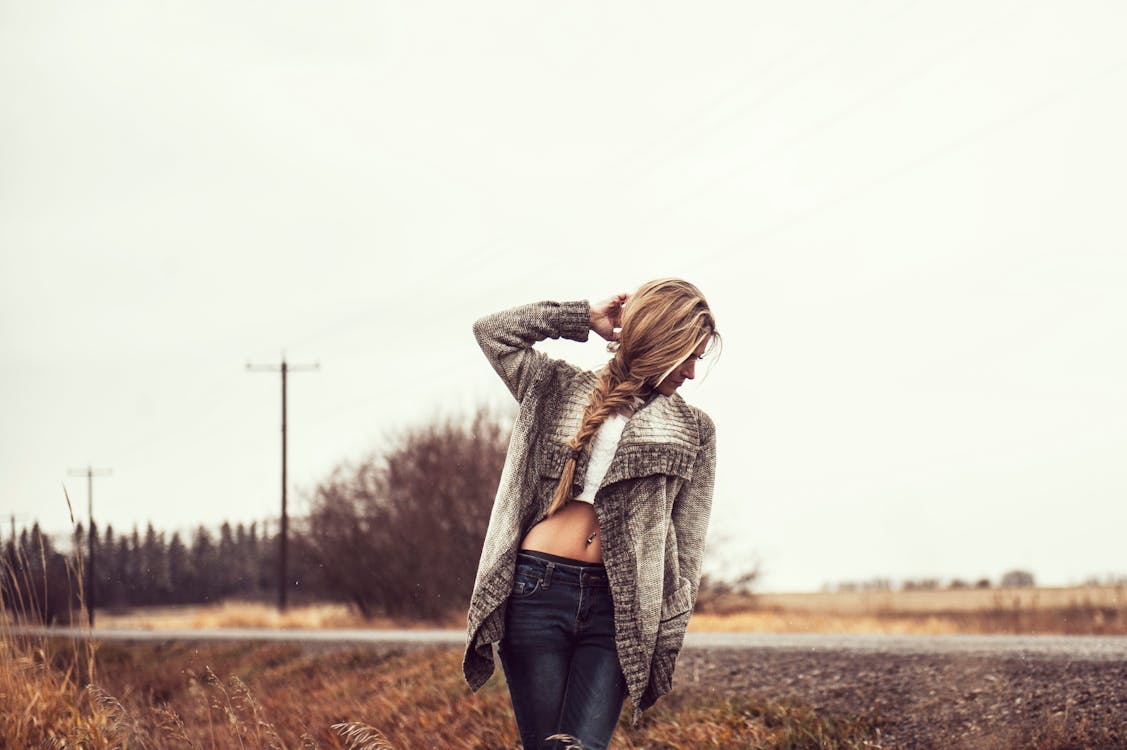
pixel 283 532
pixel 90 473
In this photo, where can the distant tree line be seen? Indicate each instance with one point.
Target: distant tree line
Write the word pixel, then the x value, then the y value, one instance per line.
pixel 35 579
pixel 135 570
pixel 398 534
pixel 154 568
pixel 1010 580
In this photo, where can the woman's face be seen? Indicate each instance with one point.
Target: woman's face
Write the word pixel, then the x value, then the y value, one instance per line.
pixel 687 370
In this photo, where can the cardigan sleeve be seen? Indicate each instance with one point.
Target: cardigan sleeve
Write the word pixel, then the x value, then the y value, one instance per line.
pixel 507 338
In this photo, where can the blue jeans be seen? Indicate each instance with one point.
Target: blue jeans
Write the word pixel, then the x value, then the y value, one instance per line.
pixel 558 652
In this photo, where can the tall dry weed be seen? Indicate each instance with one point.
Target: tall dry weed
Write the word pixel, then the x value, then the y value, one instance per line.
pixel 120 723
pixel 42 700
pixel 360 736
pixel 265 735
pixel 171 725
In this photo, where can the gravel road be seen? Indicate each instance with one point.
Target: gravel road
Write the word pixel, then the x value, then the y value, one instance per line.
pixel 937 694
pixel 1107 648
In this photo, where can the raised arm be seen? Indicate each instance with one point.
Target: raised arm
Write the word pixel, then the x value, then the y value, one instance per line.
pixel 507 338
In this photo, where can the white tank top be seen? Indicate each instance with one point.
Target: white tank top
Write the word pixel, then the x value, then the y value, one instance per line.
pixel 602 452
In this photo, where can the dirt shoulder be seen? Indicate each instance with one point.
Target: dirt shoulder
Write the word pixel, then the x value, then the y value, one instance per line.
pixel 933 702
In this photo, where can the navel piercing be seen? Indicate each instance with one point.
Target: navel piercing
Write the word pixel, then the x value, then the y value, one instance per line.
pixel 591 539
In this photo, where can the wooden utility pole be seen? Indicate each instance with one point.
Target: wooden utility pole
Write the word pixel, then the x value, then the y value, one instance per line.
pixel 89 472
pixel 283 531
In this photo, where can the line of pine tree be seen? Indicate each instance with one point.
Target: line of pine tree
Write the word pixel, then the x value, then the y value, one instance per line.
pixel 149 568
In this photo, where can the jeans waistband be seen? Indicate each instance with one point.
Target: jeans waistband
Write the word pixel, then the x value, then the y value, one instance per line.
pixel 574 573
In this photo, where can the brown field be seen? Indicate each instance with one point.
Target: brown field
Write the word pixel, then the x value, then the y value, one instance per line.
pixel 948 600
pixel 1082 610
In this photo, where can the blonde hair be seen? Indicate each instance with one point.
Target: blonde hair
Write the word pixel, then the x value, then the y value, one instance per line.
pixel 663 323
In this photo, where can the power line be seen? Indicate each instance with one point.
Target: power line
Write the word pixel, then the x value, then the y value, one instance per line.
pixel 885 90
pixel 90 472
pixel 980 131
pixel 645 158
pixel 284 368
pixel 684 131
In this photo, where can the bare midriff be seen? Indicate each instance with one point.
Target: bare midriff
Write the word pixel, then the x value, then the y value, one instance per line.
pixel 566 533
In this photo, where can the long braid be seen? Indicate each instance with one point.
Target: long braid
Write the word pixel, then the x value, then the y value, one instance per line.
pixel 615 390
pixel 662 324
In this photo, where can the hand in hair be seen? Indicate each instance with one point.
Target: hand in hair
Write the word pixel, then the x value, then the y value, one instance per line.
pixel 607 316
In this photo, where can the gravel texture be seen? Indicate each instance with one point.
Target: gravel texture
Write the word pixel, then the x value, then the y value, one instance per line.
pixel 948 701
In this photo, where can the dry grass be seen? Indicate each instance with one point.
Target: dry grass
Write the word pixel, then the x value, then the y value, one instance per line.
pixel 40 693
pixel 1087 610
pixel 239 614
pixel 42 698
pixel 764 621
pixel 948 600
pixel 271 696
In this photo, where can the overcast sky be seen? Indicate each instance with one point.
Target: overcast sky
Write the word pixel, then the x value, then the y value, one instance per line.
pixel 908 218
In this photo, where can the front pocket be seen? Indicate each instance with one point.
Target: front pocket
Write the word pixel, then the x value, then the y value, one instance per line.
pixel 679 602
pixel 525 586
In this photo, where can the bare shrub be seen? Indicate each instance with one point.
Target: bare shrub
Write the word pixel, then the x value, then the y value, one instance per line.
pixel 1016 579
pixel 400 534
pixel 921 584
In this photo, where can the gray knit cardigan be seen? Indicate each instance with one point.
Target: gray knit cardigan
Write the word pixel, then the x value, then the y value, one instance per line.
pixel 652 506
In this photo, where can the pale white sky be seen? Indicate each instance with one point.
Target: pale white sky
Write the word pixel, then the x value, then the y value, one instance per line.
pixel 908 217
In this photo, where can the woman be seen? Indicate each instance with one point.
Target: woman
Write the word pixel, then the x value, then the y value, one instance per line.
pixel 590 566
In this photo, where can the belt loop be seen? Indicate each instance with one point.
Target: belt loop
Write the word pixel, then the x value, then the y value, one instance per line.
pixel 551 568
